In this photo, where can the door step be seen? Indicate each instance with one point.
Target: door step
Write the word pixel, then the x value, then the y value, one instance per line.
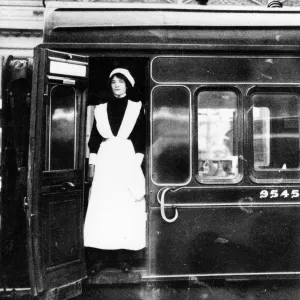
pixel 116 276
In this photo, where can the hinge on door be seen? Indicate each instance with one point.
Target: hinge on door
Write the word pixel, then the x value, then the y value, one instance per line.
pixel 25 204
pixel 46 91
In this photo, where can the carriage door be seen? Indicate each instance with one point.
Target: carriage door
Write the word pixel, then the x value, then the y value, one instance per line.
pixel 56 174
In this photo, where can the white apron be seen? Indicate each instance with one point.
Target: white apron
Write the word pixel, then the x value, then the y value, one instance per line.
pixel 116 217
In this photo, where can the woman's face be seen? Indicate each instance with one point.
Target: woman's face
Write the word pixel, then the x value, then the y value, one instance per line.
pixel 118 86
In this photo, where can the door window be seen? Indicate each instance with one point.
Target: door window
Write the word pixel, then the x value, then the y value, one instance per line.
pixel 61 138
pixel 217 136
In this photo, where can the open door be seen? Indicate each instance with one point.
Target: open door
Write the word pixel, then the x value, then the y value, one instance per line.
pixel 56 174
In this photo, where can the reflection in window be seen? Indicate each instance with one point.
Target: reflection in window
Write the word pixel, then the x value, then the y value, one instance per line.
pixel 261 135
pixel 217 135
pixel 276 131
pixel 62 129
pixel 170 135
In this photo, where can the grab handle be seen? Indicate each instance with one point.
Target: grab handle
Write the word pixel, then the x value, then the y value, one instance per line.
pixel 162 207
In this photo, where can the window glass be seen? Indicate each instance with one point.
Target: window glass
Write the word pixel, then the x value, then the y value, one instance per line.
pixel 61 137
pixel 217 135
pixel 261 137
pixel 170 140
pixel 276 131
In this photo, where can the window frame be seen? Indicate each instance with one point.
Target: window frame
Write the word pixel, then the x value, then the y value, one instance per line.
pixel 239 135
pixel 63 175
pixel 274 175
pixel 190 137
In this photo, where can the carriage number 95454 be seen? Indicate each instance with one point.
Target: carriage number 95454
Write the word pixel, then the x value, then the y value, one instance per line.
pixel 277 194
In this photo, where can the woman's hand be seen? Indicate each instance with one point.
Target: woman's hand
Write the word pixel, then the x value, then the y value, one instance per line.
pixel 140 199
pixel 91 173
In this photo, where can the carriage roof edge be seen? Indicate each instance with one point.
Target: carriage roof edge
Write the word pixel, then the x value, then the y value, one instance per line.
pixel 62 17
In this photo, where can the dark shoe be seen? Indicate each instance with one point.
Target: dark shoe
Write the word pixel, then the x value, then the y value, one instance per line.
pixel 97 268
pixel 125 266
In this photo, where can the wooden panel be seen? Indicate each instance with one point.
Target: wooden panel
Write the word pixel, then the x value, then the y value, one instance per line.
pixel 218 241
pixel 64 232
pixel 197 69
pixel 62 238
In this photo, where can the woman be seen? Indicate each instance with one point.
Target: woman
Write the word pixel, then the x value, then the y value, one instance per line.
pixel 116 216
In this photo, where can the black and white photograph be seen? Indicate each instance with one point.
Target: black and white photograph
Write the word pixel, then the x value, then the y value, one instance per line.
pixel 150 149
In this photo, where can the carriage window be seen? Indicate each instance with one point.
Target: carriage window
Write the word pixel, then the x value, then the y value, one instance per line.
pixel 276 131
pixel 170 140
pixel 61 136
pixel 217 136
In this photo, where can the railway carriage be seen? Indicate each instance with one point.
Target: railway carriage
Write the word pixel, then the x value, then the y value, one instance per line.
pixel 221 91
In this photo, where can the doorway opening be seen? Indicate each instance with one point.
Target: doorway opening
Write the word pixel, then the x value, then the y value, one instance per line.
pixel 107 261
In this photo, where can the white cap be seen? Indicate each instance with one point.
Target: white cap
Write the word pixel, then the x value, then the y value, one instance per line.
pixel 124 72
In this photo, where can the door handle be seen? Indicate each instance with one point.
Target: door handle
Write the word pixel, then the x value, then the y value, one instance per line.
pixel 67 186
pixel 162 207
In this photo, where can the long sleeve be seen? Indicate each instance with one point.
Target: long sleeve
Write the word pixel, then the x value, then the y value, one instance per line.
pixel 94 143
pixel 138 134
